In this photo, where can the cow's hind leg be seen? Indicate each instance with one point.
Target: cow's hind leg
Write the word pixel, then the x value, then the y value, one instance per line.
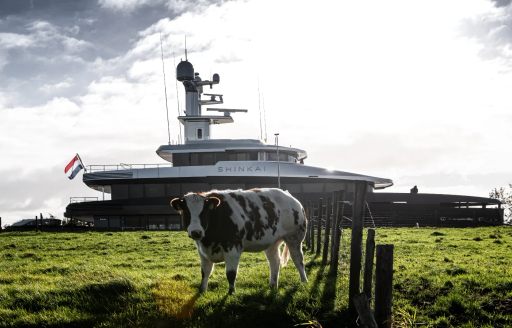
pixel 294 244
pixel 206 271
pixel 274 262
pixel 232 260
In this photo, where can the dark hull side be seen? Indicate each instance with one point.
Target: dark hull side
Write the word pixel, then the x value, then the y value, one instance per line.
pixel 384 209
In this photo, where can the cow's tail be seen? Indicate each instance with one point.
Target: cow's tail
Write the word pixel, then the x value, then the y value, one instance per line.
pixel 285 255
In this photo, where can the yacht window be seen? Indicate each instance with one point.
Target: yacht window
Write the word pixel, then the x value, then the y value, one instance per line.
pixel 194 159
pixel 207 159
pixel 313 187
pixel 154 190
pixel 136 190
pixel 221 157
pixel 199 133
pixel 293 187
pixel 242 157
pixel 119 191
pixel 173 189
pixel 195 187
pixel 282 157
pixel 180 160
pixel 334 186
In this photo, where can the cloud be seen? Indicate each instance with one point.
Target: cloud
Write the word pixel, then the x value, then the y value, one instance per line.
pixel 501 3
pixel 46 34
pixel 13 40
pixel 493 31
pixel 53 88
pixel 126 5
pixel 175 6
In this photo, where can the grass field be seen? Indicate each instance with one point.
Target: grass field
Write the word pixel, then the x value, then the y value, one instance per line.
pixel 443 278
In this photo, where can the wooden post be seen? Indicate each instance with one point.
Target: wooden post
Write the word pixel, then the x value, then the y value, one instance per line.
pixel 335 252
pixel 0 224
pixel 312 232
pixel 356 242
pixel 319 226
pixel 327 234
pixel 334 204
pixel 310 223
pixel 362 305
pixel 368 264
pixel 384 285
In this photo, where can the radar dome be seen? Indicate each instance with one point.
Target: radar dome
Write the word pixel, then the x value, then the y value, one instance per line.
pixel 185 71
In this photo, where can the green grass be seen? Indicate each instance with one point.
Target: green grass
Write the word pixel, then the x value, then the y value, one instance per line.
pixel 443 278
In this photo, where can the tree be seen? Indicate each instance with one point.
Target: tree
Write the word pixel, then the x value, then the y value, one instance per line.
pixel 504 194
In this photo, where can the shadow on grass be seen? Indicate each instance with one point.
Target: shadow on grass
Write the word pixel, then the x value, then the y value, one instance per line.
pixel 97 302
pixel 264 308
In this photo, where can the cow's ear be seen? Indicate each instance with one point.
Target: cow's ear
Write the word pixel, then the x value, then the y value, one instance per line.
pixel 213 202
pixel 177 204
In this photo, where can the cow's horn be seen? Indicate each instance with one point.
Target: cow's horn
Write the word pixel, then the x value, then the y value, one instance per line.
pixel 215 200
pixel 173 202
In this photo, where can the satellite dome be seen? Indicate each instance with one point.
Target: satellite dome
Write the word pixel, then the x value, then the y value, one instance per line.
pixel 185 71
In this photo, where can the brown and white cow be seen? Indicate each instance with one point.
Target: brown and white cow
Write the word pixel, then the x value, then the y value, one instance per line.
pixel 226 223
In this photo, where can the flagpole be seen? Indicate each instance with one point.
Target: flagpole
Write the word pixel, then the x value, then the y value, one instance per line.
pixel 80 159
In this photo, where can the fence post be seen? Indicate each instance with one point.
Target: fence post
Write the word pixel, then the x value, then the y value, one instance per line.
pixel 333 221
pixel 368 264
pixel 319 226
pixel 312 232
pixel 327 233
pixel 356 243
pixel 384 285
pixel 308 227
pixel 335 252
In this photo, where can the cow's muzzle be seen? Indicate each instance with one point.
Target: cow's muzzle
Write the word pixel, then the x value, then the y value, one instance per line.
pixel 196 234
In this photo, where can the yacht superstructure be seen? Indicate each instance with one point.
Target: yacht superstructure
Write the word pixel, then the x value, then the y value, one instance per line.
pixel 140 193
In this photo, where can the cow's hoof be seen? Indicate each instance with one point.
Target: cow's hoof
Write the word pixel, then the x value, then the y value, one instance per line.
pixel 231 291
pixel 202 290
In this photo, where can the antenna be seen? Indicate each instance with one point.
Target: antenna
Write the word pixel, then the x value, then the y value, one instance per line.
pixel 177 96
pixel 259 109
pixel 278 170
pixel 186 48
pixel 264 116
pixel 165 91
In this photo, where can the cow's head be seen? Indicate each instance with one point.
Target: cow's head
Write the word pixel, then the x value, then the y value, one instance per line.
pixel 195 209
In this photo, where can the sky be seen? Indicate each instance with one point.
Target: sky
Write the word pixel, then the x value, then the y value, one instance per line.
pixel 418 92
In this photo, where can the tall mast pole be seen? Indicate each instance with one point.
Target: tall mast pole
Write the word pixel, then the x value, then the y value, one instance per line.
pixel 278 170
pixel 165 92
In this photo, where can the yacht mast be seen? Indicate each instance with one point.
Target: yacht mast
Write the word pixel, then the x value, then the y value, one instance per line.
pixel 197 125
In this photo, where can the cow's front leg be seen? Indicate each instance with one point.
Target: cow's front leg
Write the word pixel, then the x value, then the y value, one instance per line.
pixel 206 271
pixel 232 260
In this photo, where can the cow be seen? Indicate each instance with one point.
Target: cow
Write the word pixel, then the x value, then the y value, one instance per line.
pixel 224 223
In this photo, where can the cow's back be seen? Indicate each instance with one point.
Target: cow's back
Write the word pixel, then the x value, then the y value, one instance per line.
pixel 262 216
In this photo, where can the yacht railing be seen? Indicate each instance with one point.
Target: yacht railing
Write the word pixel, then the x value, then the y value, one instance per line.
pixel 123 166
pixel 82 199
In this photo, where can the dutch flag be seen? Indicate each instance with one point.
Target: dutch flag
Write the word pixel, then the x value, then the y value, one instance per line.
pixel 74 166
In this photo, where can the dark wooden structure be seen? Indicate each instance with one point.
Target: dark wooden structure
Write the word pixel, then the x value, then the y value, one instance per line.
pixel 409 209
pixel 381 209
